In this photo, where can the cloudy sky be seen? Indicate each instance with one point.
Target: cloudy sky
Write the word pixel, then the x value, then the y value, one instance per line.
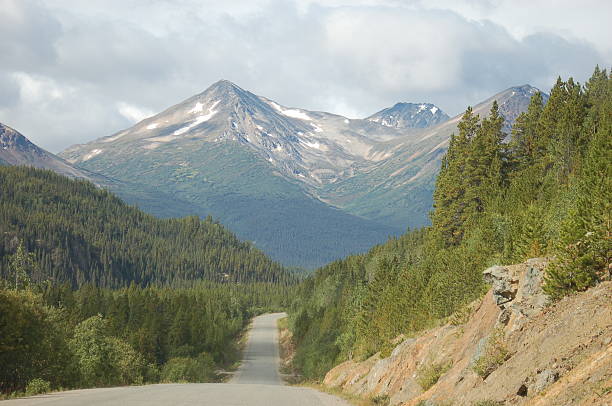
pixel 74 70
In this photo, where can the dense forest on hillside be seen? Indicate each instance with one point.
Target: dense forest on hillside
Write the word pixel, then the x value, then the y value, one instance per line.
pixel 55 337
pixel 80 234
pixel 546 192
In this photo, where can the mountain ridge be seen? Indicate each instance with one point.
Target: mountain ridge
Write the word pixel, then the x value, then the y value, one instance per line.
pixel 262 168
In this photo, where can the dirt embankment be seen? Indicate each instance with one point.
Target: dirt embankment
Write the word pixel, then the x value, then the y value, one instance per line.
pixel 511 348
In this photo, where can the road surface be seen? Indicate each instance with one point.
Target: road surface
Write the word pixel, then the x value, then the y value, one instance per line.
pixel 256 383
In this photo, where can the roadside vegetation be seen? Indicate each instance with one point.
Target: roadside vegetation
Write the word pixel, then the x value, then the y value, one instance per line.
pixel 54 337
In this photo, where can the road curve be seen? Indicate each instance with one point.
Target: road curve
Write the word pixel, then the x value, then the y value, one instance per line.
pixel 256 383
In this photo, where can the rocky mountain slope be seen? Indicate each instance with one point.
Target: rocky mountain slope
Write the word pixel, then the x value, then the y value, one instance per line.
pixel 510 347
pixel 15 149
pixel 305 186
pixel 410 115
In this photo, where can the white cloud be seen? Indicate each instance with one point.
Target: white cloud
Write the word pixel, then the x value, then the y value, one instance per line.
pixel 89 69
pixel 133 113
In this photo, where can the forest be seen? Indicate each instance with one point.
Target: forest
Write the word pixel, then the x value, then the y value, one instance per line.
pixel 82 234
pixel 54 337
pixel 541 191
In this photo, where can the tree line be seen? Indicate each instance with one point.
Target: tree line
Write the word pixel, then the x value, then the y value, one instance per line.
pixel 542 192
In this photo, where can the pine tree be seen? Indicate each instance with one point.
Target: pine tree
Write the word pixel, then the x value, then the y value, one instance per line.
pixel 584 254
pixel 449 214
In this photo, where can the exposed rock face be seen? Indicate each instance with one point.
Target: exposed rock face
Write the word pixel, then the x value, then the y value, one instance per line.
pixel 517 292
pixel 559 354
pixel 410 115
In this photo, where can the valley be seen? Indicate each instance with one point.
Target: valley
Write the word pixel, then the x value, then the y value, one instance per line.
pixel 305 202
pixel 306 187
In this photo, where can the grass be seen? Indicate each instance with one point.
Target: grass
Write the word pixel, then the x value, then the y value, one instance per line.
pixel 494 355
pixel 428 375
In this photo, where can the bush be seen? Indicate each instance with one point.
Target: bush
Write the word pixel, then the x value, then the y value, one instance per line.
pixel 428 375
pixel 382 400
pixel 37 386
pixel 184 369
pixel 103 360
pixel 495 354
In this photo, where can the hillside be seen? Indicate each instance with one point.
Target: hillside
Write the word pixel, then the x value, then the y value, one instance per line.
pixel 82 234
pixel 306 187
pixel 507 348
pixel 544 194
pixel 399 189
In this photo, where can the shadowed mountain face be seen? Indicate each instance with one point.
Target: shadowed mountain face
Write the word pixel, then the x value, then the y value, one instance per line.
pixel 305 186
pixel 15 149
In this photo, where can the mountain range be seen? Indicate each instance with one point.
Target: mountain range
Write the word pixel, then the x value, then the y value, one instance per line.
pixel 307 187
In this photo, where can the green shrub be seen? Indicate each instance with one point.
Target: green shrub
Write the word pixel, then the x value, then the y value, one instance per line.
pixel 382 400
pixel 37 386
pixel 184 369
pixel 494 355
pixel 428 375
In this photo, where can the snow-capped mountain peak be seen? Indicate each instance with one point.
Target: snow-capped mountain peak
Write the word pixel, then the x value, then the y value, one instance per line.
pixel 410 115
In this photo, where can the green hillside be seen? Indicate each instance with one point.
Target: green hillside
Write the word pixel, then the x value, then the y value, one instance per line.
pixel 81 234
pixel 246 194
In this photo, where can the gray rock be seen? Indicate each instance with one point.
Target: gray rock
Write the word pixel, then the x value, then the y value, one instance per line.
pixel 480 347
pixel 544 379
pixel 504 284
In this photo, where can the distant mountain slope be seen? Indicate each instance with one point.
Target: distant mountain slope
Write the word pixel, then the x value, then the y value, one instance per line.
pixel 307 187
pixel 82 234
pixel 399 190
pixel 15 149
pixel 410 115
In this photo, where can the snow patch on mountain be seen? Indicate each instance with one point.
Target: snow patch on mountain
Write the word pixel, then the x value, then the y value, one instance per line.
pixel 316 128
pixel 312 144
pixel 199 120
pixel 198 108
pixel 293 113
pixel 92 154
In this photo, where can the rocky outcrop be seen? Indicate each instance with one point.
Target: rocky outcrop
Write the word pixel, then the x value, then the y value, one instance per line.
pixel 556 353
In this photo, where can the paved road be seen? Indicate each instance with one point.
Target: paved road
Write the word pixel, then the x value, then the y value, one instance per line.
pixel 257 383
pixel 260 361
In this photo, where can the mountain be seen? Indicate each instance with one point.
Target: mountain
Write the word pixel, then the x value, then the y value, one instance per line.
pixel 252 164
pixel 81 234
pixel 399 189
pixel 410 115
pixel 15 149
pixel 307 187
